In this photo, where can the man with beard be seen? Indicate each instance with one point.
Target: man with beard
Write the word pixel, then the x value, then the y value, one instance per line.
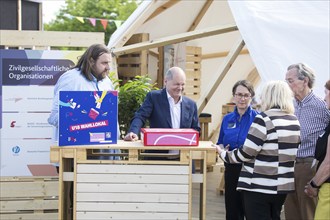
pixel 90 74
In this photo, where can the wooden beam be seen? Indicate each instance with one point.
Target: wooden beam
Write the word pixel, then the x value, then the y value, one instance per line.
pixel 160 72
pixel 26 39
pixel 233 54
pixel 162 8
pixel 19 15
pixel 200 15
pixel 175 39
pixel 114 67
pixel 154 54
pixel 40 16
pixel 221 54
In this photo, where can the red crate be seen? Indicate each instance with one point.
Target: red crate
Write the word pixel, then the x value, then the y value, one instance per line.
pixel 169 137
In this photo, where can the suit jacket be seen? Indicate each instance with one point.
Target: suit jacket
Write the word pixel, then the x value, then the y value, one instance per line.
pixel 156 109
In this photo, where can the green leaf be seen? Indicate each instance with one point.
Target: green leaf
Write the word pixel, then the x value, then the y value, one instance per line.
pixel 130 97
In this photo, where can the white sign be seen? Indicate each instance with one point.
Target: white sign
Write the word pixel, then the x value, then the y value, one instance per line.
pixel 27 81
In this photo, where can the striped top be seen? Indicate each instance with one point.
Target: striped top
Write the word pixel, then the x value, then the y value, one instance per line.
pixel 314 117
pixel 268 154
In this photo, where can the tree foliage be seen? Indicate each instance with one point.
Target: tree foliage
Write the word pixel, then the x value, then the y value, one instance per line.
pixel 99 9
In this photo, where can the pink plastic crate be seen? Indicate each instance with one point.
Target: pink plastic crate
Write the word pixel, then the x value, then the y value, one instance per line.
pixel 169 137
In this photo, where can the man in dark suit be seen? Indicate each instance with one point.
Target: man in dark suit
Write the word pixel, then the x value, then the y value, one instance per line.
pixel 166 108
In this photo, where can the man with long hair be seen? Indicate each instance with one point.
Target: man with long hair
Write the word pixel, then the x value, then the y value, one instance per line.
pixel 90 74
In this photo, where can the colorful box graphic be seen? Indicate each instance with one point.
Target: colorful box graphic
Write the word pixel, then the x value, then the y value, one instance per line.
pixel 169 137
pixel 88 117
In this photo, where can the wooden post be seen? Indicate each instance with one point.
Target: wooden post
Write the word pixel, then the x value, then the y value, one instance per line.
pixel 19 15
pixel 113 67
pixel 160 73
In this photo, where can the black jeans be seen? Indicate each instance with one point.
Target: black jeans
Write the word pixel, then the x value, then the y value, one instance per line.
pixel 263 206
pixel 233 198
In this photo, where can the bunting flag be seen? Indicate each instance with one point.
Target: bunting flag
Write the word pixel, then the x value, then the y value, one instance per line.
pixel 93 21
pixel 81 19
pixel 118 23
pixel 104 23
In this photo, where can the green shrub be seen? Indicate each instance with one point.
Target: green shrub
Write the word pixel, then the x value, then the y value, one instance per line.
pixel 130 98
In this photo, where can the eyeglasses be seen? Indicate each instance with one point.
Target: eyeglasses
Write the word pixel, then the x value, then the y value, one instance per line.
pixel 240 96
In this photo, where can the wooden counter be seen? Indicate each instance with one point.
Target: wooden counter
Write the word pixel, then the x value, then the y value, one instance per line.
pixel 133 187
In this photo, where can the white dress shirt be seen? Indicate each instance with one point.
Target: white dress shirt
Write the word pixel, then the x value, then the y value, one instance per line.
pixel 175 110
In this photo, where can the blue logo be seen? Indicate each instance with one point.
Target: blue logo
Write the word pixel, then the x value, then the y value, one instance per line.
pixel 16 149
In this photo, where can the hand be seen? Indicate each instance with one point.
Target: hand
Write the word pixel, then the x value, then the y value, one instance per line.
pixel 310 191
pixel 131 137
pixel 220 148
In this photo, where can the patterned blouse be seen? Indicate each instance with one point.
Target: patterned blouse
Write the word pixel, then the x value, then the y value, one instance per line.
pixel 268 154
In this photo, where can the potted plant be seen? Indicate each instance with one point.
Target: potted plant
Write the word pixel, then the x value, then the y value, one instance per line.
pixel 130 97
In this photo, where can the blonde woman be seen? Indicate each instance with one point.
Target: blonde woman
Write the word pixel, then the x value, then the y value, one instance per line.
pixel 268 154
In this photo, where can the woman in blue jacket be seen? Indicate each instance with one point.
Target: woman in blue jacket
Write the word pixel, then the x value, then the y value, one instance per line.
pixel 233 132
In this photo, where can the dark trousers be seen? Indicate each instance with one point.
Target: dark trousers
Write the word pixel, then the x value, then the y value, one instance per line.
pixel 298 205
pixel 263 206
pixel 233 198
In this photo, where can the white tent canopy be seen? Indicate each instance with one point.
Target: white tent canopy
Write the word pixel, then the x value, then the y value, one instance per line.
pixel 280 33
pixel 276 34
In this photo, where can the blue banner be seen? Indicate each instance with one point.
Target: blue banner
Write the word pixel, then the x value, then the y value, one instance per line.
pixel 88 117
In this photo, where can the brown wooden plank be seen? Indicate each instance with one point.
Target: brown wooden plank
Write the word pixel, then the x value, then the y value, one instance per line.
pixel 129 60
pixel 137 38
pixel 196 66
pixel 136 197
pixel 193 59
pixel 28 189
pixel 193 74
pixel 193 97
pixel 29 216
pixel 193 81
pixel 193 50
pixel 25 38
pixel 54 156
pixel 136 215
pixel 189 90
pixel 186 36
pixel 28 205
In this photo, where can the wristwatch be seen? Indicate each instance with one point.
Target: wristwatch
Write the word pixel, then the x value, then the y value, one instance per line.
pixel 312 183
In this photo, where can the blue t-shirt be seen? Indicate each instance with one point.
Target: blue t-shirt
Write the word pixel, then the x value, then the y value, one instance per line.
pixel 234 131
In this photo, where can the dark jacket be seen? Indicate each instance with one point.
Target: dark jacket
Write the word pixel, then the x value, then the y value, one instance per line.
pixel 156 109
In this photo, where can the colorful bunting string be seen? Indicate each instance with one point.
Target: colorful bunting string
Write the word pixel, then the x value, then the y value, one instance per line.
pixel 104 22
